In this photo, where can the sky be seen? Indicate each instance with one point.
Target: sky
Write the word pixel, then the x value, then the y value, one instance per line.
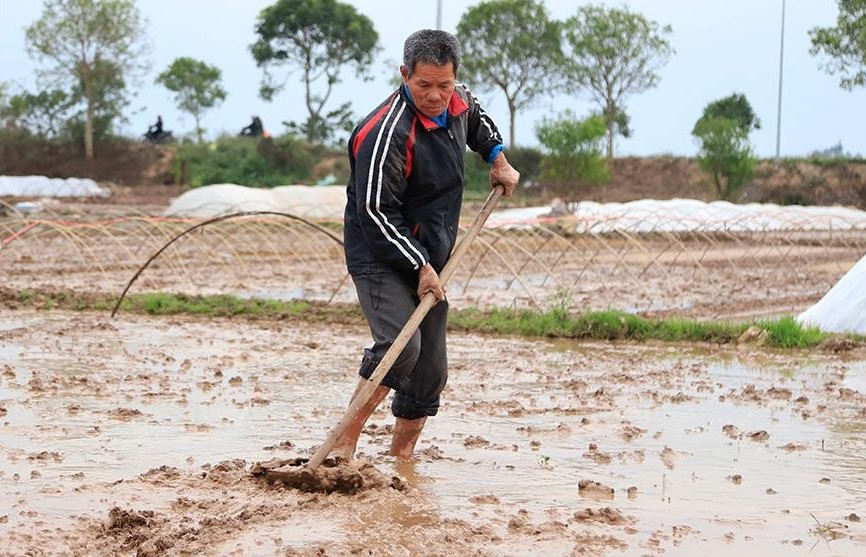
pixel 721 48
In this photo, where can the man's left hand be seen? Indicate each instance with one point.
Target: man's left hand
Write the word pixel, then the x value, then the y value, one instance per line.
pixel 502 173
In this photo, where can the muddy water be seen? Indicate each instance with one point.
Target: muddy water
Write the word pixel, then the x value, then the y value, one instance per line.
pixel 696 451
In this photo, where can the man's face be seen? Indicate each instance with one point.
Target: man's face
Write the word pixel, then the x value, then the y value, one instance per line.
pixel 431 86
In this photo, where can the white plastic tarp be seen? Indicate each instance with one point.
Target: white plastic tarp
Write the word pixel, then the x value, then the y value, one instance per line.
pixel 686 215
pixel 322 202
pixel 843 308
pixel 42 186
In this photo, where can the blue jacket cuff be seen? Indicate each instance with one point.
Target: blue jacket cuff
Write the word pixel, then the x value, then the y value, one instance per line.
pixel 494 152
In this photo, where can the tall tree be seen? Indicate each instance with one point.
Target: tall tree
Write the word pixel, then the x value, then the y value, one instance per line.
pixel 42 114
pixel 735 107
pixel 320 37
pixel 725 154
pixel 513 46
pixel 613 53
pixel 93 44
pixel 575 151
pixel 845 44
pixel 196 86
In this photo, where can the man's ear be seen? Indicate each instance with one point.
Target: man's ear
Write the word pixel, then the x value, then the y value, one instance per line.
pixel 404 71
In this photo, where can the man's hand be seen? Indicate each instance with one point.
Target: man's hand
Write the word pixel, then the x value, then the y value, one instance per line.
pixel 502 173
pixel 428 281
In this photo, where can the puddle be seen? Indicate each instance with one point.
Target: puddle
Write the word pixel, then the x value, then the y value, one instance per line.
pixel 522 424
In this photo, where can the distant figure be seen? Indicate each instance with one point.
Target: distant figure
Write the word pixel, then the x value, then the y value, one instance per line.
pixel 156 129
pixel 156 133
pixel 255 129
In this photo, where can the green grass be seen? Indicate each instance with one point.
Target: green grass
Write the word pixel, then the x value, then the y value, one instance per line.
pixel 787 333
pixel 614 325
pixel 783 333
pixel 218 306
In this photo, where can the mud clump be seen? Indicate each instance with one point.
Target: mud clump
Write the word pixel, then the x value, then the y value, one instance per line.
pixel 605 515
pixel 332 476
pixel 121 518
pixel 759 436
pixel 594 490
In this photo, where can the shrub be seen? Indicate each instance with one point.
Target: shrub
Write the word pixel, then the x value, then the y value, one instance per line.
pixel 254 162
pixel 575 160
pixel 725 154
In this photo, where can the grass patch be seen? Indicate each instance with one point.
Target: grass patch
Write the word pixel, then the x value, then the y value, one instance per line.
pixel 601 325
pixel 555 323
pixel 787 333
pixel 615 325
pixel 218 306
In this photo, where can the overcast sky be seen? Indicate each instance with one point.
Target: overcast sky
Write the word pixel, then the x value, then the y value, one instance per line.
pixel 722 47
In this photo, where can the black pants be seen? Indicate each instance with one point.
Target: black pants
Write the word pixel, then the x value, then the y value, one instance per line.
pixel 420 372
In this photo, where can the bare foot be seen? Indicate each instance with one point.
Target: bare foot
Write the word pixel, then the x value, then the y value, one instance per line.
pixel 406 433
pixel 348 443
pixel 343 453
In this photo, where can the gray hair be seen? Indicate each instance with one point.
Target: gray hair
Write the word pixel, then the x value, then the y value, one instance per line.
pixel 431 46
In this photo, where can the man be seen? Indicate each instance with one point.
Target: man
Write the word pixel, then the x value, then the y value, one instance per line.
pixel 403 204
pixel 155 131
pixel 255 129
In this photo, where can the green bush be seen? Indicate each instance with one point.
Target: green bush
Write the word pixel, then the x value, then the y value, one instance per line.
pixel 476 174
pixel 257 162
pixel 725 155
pixel 576 160
pixel 527 161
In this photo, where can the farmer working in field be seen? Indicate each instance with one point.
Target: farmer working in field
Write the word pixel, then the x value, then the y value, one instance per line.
pixel 404 195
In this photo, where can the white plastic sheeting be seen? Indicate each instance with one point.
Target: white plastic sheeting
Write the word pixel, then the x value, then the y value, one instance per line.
pixel 42 186
pixel 686 215
pixel 323 202
pixel 843 308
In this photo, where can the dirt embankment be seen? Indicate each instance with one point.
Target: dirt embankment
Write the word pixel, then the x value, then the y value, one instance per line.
pixel 783 182
pixel 664 177
pixel 124 164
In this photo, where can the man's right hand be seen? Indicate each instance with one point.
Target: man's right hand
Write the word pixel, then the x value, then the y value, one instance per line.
pixel 428 281
pixel 503 174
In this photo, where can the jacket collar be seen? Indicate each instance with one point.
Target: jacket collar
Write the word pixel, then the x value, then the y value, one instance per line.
pixel 456 107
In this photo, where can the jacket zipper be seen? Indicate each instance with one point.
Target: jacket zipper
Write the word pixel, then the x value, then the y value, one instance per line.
pixel 454 142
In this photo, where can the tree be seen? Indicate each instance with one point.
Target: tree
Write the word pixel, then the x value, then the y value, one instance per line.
pixel 196 86
pixel 93 44
pixel 845 44
pixel 735 107
pixel 575 150
pixel 613 53
pixel 107 105
pixel 513 46
pixel 42 114
pixel 320 37
pixel 725 154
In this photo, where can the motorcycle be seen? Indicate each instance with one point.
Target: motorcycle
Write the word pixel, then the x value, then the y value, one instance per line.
pixel 153 136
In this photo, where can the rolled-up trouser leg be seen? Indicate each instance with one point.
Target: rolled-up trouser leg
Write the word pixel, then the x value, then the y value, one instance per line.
pixel 421 371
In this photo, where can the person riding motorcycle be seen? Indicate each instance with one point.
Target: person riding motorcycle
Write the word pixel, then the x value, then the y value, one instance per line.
pixel 255 129
pixel 156 133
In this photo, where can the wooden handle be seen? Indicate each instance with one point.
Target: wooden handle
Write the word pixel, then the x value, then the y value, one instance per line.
pixel 427 302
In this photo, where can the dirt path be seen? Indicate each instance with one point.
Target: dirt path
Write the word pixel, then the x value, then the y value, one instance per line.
pixel 136 437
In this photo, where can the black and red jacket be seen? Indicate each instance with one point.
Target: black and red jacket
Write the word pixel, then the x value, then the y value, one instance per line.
pixel 405 188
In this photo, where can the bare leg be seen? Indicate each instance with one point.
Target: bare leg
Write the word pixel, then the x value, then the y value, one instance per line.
pixel 345 447
pixel 406 433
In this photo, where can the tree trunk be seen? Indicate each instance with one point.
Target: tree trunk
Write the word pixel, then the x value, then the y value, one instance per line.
pixel 88 125
pixel 512 110
pixel 198 129
pixel 610 117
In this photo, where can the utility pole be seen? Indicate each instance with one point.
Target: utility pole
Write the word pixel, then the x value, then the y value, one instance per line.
pixel 781 69
pixel 438 14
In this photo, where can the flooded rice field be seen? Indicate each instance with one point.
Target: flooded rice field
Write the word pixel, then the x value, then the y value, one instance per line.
pixel 136 436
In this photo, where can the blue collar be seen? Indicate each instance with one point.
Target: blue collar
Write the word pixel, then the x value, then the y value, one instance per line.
pixel 441 120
